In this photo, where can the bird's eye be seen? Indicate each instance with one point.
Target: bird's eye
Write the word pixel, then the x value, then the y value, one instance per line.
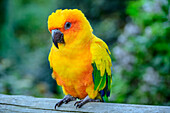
pixel 67 25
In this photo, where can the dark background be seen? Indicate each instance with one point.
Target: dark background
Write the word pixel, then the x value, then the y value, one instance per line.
pixel 137 32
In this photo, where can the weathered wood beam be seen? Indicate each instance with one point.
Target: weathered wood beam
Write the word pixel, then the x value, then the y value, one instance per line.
pixel 20 103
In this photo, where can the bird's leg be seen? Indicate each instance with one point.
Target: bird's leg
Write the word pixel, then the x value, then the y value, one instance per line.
pixel 66 99
pixel 80 103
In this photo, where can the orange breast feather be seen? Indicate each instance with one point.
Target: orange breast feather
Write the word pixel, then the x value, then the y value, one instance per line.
pixel 72 70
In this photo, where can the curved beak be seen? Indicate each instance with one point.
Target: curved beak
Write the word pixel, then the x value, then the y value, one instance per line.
pixel 57 37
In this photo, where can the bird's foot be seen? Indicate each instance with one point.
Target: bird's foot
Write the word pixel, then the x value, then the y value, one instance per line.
pixel 65 100
pixel 80 103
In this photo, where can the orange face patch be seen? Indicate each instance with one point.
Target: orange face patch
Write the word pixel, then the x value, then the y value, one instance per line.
pixel 58 19
pixel 80 30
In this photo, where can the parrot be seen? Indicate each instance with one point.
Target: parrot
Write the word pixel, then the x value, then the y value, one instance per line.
pixel 80 61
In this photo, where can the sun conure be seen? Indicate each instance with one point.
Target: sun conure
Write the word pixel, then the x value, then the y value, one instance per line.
pixel 80 61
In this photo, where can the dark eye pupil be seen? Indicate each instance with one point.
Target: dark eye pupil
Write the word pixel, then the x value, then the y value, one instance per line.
pixel 67 25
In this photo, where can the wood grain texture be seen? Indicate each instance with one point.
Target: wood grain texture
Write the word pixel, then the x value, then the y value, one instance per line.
pixel 20 103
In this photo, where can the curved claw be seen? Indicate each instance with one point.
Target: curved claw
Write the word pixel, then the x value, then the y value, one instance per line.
pixel 80 103
pixel 77 102
pixel 65 100
pixel 59 103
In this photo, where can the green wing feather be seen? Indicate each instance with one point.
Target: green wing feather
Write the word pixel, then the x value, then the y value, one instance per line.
pixel 99 81
pixel 101 63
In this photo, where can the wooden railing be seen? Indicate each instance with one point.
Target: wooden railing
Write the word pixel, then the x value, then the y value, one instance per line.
pixel 20 103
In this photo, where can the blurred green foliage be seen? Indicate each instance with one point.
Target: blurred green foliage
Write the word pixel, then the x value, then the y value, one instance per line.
pixel 137 33
pixel 142 54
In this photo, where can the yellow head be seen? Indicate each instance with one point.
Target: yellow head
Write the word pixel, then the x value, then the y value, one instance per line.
pixel 69 27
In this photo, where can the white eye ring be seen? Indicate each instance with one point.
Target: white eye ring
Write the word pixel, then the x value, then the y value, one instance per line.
pixel 67 25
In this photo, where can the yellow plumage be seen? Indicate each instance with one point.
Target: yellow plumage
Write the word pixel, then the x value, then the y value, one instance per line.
pixel 82 64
